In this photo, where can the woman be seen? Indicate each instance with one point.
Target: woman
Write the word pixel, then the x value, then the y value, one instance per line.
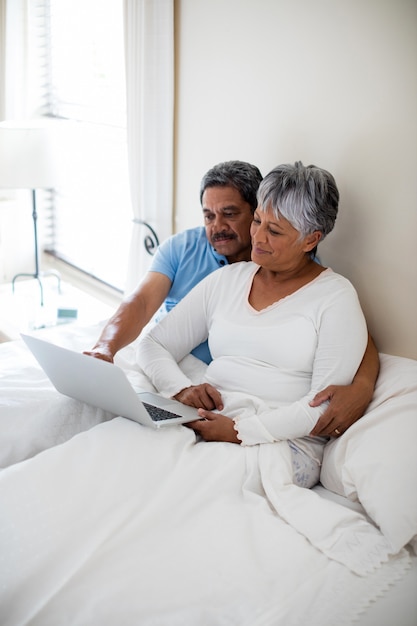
pixel 279 328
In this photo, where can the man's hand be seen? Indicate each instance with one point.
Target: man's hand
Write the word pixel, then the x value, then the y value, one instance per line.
pixel 201 396
pixel 214 427
pixel 346 405
pixel 100 353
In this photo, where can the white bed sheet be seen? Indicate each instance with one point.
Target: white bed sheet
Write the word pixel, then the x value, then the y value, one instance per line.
pixel 108 522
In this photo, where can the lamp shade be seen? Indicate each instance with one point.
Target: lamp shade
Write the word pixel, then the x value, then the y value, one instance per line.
pixel 26 159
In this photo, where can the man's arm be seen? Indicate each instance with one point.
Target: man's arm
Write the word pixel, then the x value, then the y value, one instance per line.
pixel 132 316
pixel 348 403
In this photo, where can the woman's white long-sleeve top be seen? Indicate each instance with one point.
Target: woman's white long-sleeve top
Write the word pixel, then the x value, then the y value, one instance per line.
pixel 282 355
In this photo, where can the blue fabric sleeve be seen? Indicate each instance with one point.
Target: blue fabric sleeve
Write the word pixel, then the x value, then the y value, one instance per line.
pixel 186 258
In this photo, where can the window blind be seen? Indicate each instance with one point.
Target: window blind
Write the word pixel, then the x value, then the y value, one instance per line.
pixel 76 69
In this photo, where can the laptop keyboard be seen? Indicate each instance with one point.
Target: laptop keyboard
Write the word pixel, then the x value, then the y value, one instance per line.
pixel 158 414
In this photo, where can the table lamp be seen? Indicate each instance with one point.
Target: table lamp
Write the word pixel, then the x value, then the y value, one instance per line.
pixel 26 163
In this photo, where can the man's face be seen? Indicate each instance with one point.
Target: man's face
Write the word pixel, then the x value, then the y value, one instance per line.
pixel 227 220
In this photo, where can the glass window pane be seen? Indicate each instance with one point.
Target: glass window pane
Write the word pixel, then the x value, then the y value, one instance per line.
pixel 85 82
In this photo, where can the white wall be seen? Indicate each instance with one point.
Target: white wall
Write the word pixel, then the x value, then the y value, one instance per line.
pixel 329 82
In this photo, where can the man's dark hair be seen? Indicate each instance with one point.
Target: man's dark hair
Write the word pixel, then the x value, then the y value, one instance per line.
pixel 239 174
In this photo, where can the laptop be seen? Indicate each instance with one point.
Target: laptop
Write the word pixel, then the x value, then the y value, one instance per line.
pixel 105 386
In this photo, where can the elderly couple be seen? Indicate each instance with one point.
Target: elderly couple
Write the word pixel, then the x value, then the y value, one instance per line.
pixel 285 341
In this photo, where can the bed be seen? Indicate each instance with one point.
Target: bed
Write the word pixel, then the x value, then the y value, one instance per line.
pixel 106 522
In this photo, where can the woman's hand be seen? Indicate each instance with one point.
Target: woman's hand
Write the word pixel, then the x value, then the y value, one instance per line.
pixel 201 396
pixel 214 427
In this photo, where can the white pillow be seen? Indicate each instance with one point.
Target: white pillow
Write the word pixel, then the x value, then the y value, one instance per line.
pixel 375 461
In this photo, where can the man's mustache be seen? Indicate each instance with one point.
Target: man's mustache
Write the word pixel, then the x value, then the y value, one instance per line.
pixel 223 235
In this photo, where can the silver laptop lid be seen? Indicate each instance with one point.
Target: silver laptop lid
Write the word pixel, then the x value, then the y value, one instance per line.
pixel 101 384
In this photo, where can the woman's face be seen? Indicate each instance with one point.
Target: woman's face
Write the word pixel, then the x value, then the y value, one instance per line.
pixel 276 244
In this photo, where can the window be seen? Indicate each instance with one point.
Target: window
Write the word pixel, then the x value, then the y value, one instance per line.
pixel 77 71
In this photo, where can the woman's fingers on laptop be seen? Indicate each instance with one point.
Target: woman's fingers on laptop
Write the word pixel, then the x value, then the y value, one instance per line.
pixel 215 427
pixel 203 396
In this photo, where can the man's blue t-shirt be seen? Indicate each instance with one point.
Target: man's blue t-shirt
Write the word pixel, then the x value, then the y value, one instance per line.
pixel 186 258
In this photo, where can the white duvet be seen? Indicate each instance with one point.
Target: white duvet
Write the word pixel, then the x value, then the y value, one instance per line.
pixel 124 525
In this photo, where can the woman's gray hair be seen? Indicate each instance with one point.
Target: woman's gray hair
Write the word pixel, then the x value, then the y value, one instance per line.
pixel 238 174
pixel 306 196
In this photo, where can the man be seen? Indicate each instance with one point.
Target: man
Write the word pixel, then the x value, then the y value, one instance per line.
pixel 228 198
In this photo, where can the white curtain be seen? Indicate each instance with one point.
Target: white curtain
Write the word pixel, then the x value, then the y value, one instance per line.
pixel 2 59
pixel 149 52
pixel 13 59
